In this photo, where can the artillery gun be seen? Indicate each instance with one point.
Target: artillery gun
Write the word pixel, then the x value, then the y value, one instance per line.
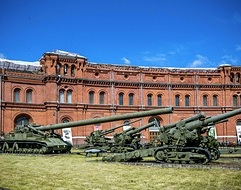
pixel 98 139
pixel 33 138
pixel 130 139
pixel 181 142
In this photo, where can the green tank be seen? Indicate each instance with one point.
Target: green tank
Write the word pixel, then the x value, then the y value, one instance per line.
pixel 181 142
pixel 42 139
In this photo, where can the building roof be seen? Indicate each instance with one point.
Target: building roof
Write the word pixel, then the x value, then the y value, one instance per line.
pixel 66 54
pixel 19 65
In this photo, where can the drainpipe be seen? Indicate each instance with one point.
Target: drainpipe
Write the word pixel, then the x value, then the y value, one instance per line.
pixel 58 80
pixel 170 96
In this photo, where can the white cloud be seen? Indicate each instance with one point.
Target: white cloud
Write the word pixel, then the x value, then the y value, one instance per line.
pixel 2 56
pixel 200 61
pixel 228 59
pixel 156 58
pixel 238 47
pixel 126 61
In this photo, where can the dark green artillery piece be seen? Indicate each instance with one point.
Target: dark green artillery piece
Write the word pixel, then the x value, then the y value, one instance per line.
pixel 130 139
pixel 99 141
pixel 42 139
pixel 181 142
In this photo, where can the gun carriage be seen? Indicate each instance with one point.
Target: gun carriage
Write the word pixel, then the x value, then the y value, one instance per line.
pixel 180 142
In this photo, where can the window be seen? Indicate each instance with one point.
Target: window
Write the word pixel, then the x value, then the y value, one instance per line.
pixel 69 96
pixel 235 100
pixel 91 97
pixel 65 69
pixel 16 95
pixel 187 100
pixel 205 100
pixel 159 100
pixel 72 70
pixel 102 98
pixel 121 98
pixel 149 99
pixel 177 100
pixel 237 77
pixel 215 100
pixel 131 99
pixel 29 93
pixel 231 77
pixel 61 96
pixel 65 120
pixel 21 120
pixel 58 66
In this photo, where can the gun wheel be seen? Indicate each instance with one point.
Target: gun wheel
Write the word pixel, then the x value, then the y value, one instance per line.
pixel 215 153
pixel 160 156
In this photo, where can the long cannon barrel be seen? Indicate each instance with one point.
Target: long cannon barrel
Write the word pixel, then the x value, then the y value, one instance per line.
pixel 106 119
pixel 189 119
pixel 105 132
pixel 108 131
pixel 211 120
pixel 137 130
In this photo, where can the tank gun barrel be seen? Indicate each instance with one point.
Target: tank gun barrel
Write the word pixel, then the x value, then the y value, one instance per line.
pixel 105 132
pixel 189 119
pixel 211 120
pixel 106 119
pixel 137 130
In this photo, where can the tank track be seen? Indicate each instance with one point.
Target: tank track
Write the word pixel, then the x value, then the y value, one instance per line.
pixel 25 147
pixel 186 155
pixel 167 154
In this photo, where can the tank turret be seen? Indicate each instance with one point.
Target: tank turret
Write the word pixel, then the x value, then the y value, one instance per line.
pixel 42 139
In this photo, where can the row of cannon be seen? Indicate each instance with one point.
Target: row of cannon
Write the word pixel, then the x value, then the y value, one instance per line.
pixel 186 141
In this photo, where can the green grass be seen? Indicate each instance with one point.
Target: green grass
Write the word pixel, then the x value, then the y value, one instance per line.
pixel 60 172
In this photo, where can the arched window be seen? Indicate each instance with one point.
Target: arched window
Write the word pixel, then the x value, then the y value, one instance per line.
pixel 159 100
pixel 58 66
pixel 131 99
pixel 215 100
pixel 187 100
pixel 205 100
pixel 102 98
pixel 69 96
pixel 72 70
pixel 65 120
pixel 16 95
pixel 22 120
pixel 29 93
pixel 235 100
pixel 121 98
pixel 231 77
pixel 177 100
pixel 149 99
pixel 91 97
pixel 238 77
pixel 61 96
pixel 65 69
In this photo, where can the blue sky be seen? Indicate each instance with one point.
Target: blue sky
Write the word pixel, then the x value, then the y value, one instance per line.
pixel 161 33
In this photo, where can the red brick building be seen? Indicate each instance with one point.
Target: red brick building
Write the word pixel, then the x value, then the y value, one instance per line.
pixel 66 87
